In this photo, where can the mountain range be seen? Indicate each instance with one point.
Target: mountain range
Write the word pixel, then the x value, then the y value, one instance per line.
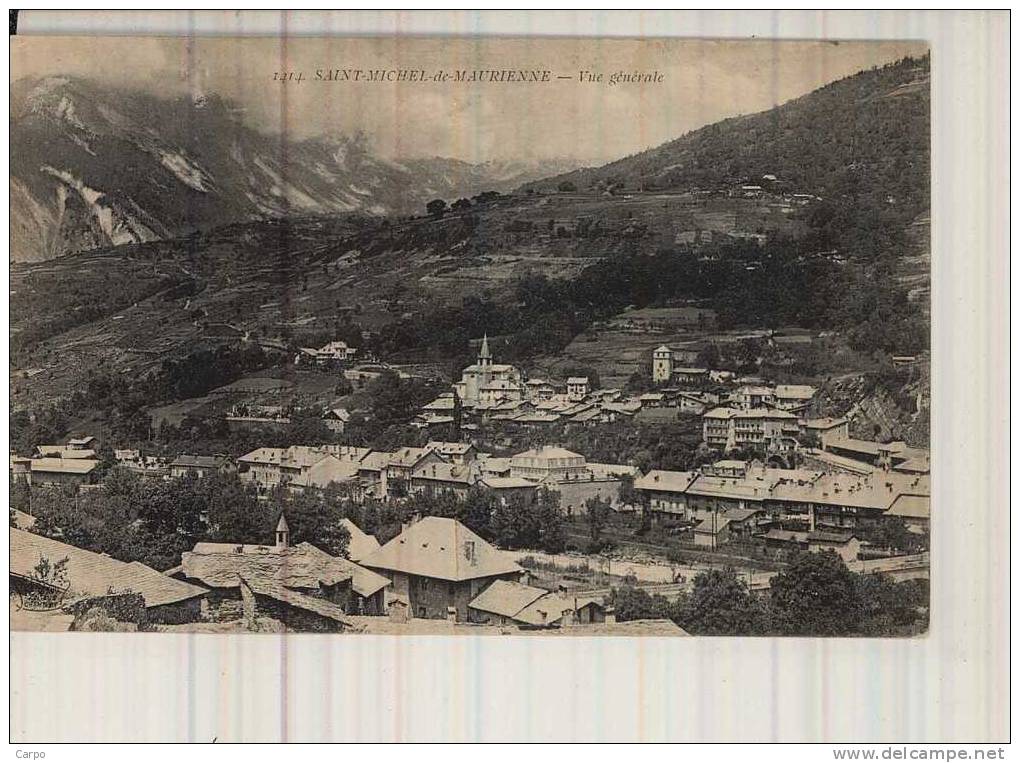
pixel 94 166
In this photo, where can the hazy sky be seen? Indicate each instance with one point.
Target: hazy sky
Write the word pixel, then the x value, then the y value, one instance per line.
pixel 702 82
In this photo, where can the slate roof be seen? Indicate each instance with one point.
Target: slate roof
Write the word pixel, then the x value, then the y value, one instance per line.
pixel 314 604
pixel 92 574
pixel 437 547
pixel 219 565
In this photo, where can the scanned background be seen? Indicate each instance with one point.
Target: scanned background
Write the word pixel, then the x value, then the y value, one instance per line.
pixel 951 685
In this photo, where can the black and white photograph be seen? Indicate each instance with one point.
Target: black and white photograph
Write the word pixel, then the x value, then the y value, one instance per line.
pixel 512 337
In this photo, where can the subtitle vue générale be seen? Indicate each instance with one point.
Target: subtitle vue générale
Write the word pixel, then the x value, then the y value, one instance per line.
pixel 496 76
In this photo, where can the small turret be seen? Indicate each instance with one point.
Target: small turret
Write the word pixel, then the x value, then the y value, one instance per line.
pixel 282 533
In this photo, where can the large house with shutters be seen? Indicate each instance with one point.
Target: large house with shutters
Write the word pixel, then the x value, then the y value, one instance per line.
pixel 438 567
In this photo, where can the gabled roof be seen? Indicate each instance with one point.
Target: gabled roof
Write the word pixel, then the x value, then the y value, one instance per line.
pixel 92 574
pixel 712 525
pixel 527 604
pixel 406 456
pixel 328 469
pixel 437 547
pixel 549 609
pixel 361 544
pixel 375 461
pixel 506 598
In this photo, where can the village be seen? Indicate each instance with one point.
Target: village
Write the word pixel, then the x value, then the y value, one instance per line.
pixel 776 481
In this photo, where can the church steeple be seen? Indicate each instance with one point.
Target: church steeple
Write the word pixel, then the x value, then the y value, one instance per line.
pixel 484 356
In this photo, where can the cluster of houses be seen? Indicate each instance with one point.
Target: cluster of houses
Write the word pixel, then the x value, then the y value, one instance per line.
pixel 330 353
pixel 74 463
pixel 438 468
pixel 435 569
pixel 828 500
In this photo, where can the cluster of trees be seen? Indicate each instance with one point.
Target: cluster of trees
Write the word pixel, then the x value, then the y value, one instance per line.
pixel 646 445
pixel 514 524
pixel 153 521
pixel 392 402
pixel 816 595
pixel 780 283
pixel 438 207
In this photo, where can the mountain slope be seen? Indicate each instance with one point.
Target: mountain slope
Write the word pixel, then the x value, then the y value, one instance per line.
pixel 94 166
pixel 867 133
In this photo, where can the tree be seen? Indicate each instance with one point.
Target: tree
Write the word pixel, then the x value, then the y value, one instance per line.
pixel 709 357
pixel 598 513
pixel 477 511
pixel 892 609
pixel 461 205
pixel 566 186
pixel 816 595
pixel 631 603
pixel 312 519
pixel 512 525
pixel 552 536
pixel 720 604
pixel 436 208
pixel 235 513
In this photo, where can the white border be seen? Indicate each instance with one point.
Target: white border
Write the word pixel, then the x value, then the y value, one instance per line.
pixel 951 686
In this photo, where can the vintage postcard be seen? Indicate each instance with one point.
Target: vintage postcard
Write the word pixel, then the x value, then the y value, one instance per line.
pixel 462 336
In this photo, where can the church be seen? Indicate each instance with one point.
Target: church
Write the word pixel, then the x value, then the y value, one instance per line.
pixel 486 382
